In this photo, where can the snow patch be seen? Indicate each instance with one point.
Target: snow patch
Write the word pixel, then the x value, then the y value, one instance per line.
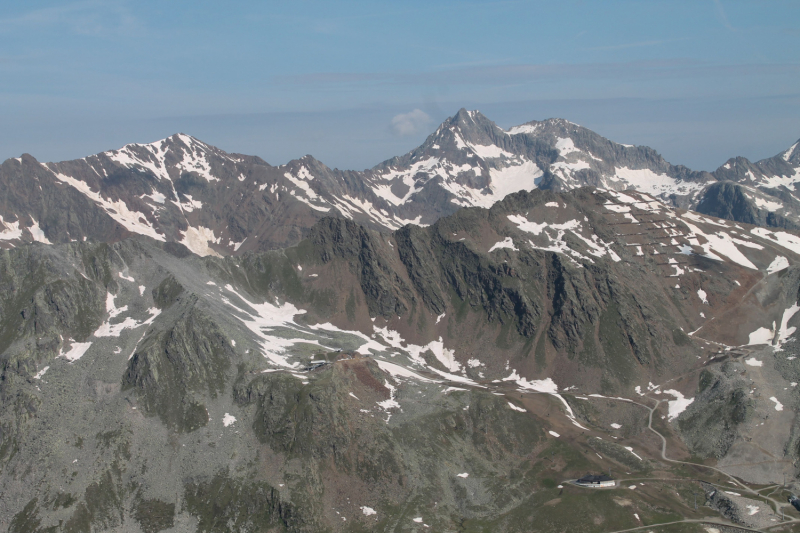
pixel 75 352
pixel 678 405
pixel 37 234
pixel 565 146
pixel 133 221
pixel 634 453
pixel 10 231
pixel 778 405
pixel 196 239
pixel 778 264
pixel 702 295
pixel 505 243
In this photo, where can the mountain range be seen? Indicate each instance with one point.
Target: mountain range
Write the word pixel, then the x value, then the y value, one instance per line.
pixel 183 190
pixel 192 340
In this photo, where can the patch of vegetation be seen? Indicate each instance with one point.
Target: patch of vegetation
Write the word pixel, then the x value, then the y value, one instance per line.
pixel 100 510
pixel 167 292
pixel 680 338
pixel 615 344
pixel 705 380
pixel 350 306
pixel 540 357
pixel 27 520
pixel 223 504
pixel 154 515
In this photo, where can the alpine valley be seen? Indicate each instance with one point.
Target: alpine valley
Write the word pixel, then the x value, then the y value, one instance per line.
pixel 198 341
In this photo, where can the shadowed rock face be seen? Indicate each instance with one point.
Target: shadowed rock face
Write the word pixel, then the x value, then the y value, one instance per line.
pixel 181 190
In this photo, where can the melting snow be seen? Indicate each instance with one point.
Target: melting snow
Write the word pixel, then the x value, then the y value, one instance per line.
pixel 41 373
pixel 391 403
pixel 615 425
pixel 786 240
pixel 596 246
pixel 490 151
pixel 754 362
pixel 75 352
pixel 228 420
pixel 634 453
pixel 702 295
pixel 368 511
pixel 505 243
pixel 785 332
pixel 778 405
pixel 133 221
pixel 553 433
pixel 393 338
pixel 647 181
pixel 107 329
pixel 400 371
pixel 525 128
pixel 543 385
pixel 515 408
pixel 678 405
pixel 778 264
pixel 37 234
pixel 10 231
pixel 565 146
pixel 766 336
pixel 464 475
pixel 761 336
pixel 197 238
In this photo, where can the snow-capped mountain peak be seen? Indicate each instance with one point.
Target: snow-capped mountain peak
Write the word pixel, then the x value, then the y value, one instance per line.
pixel 180 189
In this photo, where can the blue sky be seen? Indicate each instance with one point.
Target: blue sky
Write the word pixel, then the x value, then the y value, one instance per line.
pixel 699 80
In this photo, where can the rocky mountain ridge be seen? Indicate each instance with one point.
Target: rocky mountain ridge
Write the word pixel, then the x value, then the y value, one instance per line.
pixel 184 191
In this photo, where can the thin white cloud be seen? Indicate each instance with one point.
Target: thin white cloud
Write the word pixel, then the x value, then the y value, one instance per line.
pixel 410 123
pixel 639 44
pixel 723 17
pixel 86 17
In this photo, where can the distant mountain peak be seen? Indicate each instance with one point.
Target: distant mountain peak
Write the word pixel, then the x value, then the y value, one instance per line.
pixel 792 154
pixel 182 189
